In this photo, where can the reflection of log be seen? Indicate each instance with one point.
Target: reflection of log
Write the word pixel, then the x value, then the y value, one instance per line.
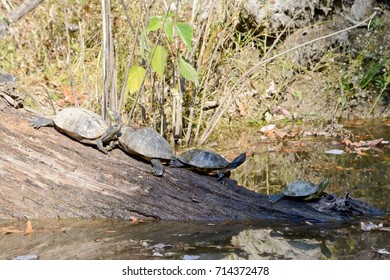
pixel 107 239
pixel 46 174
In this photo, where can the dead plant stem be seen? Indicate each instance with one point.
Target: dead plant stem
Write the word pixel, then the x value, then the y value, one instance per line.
pixel 69 62
pixel 82 54
pixel 131 56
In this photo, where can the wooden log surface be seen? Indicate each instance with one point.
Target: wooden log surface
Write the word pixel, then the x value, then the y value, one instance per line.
pixel 45 174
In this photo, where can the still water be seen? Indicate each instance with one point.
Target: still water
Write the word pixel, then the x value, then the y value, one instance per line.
pixel 364 174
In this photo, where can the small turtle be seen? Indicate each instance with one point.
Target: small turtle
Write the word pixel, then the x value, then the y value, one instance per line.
pixel 148 144
pixel 83 125
pixel 207 162
pixel 301 189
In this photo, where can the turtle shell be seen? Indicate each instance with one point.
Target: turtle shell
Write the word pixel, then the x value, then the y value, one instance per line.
pixel 80 123
pixel 299 189
pixel 203 159
pixel 145 142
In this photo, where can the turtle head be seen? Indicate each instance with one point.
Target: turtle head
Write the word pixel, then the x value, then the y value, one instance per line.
pixel 115 118
pixel 323 184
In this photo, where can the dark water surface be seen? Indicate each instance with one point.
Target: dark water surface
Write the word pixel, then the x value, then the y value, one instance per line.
pixel 270 165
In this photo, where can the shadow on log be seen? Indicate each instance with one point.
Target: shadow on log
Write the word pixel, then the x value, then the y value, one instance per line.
pixel 45 174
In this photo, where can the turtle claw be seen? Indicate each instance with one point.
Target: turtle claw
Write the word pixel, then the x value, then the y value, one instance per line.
pixel 220 176
pixel 100 147
pixel 158 168
pixel 176 163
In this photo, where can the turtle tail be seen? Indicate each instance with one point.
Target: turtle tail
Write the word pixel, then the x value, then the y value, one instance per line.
pixel 273 198
pixel 240 159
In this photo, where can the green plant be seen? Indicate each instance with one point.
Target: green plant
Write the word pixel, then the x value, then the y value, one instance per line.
pixel 371 72
pixel 172 47
pixel 384 85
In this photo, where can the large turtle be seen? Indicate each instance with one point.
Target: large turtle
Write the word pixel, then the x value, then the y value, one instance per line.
pixel 207 162
pixel 83 125
pixel 148 144
pixel 301 189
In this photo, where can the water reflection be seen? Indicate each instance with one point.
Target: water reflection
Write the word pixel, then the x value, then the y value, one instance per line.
pixel 103 239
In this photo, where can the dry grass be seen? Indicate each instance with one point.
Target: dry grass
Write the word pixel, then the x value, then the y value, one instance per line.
pixel 39 53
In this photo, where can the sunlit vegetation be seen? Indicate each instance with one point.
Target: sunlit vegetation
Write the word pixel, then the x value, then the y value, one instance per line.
pixel 185 69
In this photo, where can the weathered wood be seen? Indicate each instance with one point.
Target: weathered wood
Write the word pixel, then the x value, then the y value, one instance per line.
pixel 45 174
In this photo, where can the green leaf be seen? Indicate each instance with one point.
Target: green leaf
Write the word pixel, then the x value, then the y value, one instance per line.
pixel 159 60
pixel 134 80
pixel 155 23
pixel 185 32
pixel 168 28
pixel 187 71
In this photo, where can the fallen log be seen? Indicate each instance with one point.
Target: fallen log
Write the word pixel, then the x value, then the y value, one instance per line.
pixel 45 174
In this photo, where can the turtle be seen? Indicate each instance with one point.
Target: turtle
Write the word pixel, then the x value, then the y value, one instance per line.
pixel 83 125
pixel 147 144
pixel 301 189
pixel 207 162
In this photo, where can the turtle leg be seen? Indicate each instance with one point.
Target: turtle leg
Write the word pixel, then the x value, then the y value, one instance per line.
pixel 99 144
pixel 273 198
pixel 176 163
pixel 41 121
pixel 112 145
pixel 220 175
pixel 110 133
pixel 157 167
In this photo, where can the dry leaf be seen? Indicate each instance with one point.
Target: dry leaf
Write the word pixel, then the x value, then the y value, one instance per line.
pixel 283 111
pixel 382 251
pixel 267 128
pixel 135 220
pixel 280 134
pixel 360 151
pixel 346 142
pixel 242 108
pixel 373 227
pixel 69 96
pixel 27 257
pixel 29 228
pixel 375 142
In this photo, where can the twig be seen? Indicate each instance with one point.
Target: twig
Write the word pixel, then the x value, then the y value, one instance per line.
pixel 82 51
pixel 131 57
pixel 124 6
pixel 108 61
pixel 69 62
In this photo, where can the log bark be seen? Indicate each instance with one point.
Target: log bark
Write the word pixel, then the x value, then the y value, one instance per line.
pixel 45 174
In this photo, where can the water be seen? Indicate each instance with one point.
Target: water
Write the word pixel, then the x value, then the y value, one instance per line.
pixel 104 239
pixel 269 166
pixel 367 177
